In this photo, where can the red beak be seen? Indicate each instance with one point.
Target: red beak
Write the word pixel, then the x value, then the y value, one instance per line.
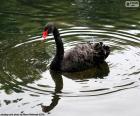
pixel 45 34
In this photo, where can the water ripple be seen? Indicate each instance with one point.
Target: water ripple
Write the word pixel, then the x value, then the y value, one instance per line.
pixel 31 76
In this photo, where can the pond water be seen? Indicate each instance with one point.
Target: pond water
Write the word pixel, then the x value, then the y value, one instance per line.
pixel 28 86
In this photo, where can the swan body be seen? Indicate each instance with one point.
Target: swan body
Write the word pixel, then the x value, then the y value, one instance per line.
pixel 81 57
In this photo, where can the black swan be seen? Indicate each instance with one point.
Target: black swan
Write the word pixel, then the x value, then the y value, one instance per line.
pixel 81 57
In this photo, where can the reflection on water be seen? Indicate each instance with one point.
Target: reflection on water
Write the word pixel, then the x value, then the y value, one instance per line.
pixel 99 71
pixel 27 85
pixel 57 77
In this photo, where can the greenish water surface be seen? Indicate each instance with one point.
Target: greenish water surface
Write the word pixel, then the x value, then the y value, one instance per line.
pixel 28 86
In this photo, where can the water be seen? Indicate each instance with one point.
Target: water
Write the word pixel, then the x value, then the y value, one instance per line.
pixel 27 85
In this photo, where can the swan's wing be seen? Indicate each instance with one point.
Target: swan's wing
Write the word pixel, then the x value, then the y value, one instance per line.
pixel 80 53
pixel 86 53
pixel 83 55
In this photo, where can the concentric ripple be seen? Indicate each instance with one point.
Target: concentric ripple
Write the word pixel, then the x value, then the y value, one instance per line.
pixel 25 68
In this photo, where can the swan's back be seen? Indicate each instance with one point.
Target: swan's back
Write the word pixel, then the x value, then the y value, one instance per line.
pixel 84 56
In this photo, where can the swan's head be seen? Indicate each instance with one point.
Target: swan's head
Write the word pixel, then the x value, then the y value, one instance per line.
pixel 49 28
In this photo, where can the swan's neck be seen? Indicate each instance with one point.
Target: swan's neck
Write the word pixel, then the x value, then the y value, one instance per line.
pixel 56 63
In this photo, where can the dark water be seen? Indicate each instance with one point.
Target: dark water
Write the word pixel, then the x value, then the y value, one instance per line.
pixel 27 85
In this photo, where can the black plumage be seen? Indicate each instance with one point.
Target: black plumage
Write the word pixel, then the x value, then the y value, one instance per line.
pixel 81 57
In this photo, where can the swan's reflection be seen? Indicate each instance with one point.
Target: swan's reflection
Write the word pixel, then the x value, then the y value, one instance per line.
pixel 99 71
pixel 57 77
